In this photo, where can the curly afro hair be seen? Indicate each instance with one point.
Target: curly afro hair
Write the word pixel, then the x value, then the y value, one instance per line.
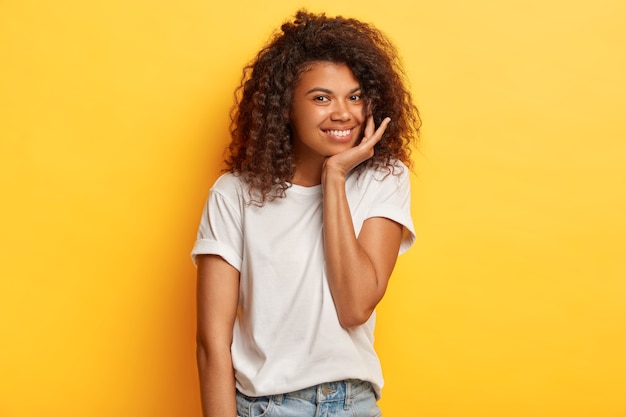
pixel 261 149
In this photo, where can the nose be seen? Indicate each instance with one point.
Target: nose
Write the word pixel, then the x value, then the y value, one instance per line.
pixel 340 112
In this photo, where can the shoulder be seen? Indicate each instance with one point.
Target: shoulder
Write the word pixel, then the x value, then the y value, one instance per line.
pixel 228 185
pixel 395 169
pixel 228 189
pixel 394 174
pixel 233 188
pixel 227 181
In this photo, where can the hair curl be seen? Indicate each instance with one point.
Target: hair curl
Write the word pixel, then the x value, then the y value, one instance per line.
pixel 261 149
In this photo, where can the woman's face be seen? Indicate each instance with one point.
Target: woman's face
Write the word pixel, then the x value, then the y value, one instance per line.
pixel 327 114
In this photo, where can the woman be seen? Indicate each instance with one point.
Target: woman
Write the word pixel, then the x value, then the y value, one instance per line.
pixel 300 235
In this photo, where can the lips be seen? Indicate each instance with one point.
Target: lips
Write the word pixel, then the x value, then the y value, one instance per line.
pixel 339 134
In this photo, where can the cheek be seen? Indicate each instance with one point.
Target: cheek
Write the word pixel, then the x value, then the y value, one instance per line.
pixel 315 115
pixel 361 115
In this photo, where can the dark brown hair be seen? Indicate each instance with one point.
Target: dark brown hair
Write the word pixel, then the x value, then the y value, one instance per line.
pixel 261 149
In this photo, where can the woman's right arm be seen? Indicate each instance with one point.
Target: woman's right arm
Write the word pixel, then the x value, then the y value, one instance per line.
pixel 217 299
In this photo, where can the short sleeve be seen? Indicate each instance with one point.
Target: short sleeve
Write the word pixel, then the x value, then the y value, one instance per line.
pixel 220 231
pixel 393 201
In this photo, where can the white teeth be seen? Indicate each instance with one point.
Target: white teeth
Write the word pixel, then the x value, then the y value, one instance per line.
pixel 340 133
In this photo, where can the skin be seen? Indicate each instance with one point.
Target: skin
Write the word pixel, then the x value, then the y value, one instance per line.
pixel 327 101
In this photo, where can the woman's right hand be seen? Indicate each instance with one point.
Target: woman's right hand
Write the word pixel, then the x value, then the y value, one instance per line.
pixel 344 162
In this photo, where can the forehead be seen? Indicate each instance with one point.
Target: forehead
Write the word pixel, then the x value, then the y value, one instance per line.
pixel 324 74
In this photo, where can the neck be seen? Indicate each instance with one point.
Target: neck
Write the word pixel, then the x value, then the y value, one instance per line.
pixel 308 173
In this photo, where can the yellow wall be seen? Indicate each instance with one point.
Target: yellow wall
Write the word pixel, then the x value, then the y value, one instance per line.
pixel 113 117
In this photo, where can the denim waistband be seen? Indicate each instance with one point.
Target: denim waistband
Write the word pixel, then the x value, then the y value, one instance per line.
pixel 329 391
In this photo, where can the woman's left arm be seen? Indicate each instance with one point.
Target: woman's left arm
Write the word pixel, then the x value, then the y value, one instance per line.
pixel 358 268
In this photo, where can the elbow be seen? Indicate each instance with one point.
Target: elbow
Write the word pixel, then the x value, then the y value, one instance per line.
pixel 201 352
pixel 210 351
pixel 354 318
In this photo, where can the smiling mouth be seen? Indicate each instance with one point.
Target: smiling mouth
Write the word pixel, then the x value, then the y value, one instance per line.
pixel 339 133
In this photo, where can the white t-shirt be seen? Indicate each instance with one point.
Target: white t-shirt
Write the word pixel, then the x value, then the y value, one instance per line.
pixel 287 335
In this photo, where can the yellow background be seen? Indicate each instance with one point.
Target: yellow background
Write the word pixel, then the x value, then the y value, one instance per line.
pixel 113 120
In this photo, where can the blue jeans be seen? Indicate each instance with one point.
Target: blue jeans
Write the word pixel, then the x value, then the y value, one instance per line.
pixel 350 398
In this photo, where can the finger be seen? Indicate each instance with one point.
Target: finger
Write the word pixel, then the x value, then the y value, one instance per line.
pixel 383 126
pixel 369 127
pixel 378 134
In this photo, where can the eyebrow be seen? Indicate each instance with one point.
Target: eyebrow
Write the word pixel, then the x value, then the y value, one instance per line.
pixel 327 91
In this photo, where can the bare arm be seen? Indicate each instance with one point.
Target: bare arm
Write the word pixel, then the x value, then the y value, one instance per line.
pixel 358 267
pixel 217 297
